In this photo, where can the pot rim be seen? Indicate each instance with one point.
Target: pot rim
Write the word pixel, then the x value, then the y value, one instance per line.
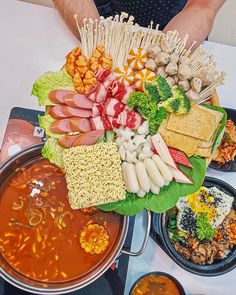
pixel 91 276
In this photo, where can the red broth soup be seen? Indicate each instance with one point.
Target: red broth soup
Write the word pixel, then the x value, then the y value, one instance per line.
pixel 41 236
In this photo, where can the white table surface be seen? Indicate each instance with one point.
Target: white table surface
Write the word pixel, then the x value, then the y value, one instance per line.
pixel 34 40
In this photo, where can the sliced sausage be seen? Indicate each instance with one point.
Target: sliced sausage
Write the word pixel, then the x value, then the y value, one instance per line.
pixel 88 138
pixel 78 101
pixel 75 112
pixel 56 112
pixel 61 126
pixel 66 141
pixel 80 124
pixel 57 96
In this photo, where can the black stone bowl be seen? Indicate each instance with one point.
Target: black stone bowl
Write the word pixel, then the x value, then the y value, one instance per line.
pixel 231 165
pixel 177 283
pixel 160 235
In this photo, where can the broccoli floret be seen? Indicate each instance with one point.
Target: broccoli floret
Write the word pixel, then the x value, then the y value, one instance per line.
pixel 178 102
pixel 152 91
pixel 160 115
pixel 185 106
pixel 172 104
pixel 163 88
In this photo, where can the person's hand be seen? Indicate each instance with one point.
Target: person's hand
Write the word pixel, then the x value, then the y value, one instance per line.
pixel 196 20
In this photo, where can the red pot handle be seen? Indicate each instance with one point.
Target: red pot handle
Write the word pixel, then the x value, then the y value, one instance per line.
pixel 130 253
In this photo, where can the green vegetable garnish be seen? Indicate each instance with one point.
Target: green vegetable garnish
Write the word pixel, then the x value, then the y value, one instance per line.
pixel 204 229
pixel 178 102
pixel 53 152
pixel 163 88
pixel 151 90
pixel 148 109
pixel 51 81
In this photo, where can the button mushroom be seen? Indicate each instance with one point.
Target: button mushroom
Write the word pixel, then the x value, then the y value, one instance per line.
pixel 196 84
pixel 162 58
pixel 171 69
pixel 184 85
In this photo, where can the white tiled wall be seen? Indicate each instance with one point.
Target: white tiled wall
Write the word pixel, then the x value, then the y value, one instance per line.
pixel 224 29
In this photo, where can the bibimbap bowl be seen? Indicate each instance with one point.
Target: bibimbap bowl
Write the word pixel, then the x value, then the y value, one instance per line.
pixel 161 236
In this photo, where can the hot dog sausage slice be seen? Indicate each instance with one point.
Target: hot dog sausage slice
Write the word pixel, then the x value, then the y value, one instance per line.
pixel 61 126
pixel 66 141
pixel 78 101
pixel 88 138
pixel 80 124
pixel 57 96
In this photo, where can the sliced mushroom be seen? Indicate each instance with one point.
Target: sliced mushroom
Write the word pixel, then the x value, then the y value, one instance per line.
pixel 196 84
pixel 184 85
pixel 171 68
pixel 151 65
pixel 185 72
pixel 162 58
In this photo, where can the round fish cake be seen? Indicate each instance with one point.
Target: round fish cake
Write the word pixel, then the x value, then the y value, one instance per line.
pixel 141 77
pixel 125 75
pixel 137 58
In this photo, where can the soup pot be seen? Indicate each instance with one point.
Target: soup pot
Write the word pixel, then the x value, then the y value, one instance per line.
pixel 160 235
pixel 17 279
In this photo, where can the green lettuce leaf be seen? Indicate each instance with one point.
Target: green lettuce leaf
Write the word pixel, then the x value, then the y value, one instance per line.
pixel 168 196
pixel 53 152
pixel 221 130
pixel 45 123
pixel 51 81
pixel 197 174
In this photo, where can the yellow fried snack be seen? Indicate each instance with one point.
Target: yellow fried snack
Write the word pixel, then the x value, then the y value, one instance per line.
pixel 71 59
pixel 106 62
pixel 78 83
pixel 94 238
pixel 82 65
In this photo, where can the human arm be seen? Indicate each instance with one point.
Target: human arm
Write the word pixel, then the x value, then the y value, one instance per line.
pixel 83 9
pixel 196 20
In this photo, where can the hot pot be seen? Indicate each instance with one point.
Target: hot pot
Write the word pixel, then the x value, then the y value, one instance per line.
pixel 160 235
pixel 17 279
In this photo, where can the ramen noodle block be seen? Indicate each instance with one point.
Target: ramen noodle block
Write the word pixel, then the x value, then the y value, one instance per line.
pixel 93 175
